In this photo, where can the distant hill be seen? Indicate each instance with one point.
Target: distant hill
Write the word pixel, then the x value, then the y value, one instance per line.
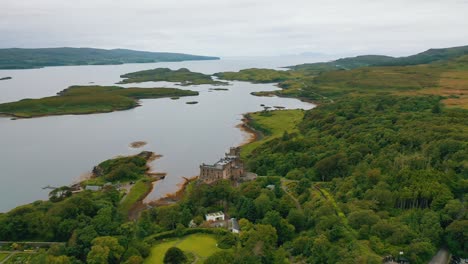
pixel 428 56
pixel 16 58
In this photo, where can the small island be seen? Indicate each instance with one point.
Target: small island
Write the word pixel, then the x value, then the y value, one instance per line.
pixel 183 76
pixel 192 102
pixel 219 89
pixel 87 100
pixel 5 78
pixel 138 144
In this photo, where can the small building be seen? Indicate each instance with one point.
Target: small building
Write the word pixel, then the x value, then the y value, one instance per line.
pixel 234 226
pixel 218 216
pixel 93 188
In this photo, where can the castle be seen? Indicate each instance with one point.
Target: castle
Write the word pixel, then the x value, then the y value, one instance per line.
pixel 229 168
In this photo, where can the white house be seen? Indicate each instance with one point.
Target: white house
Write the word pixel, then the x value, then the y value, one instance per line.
pixel 218 216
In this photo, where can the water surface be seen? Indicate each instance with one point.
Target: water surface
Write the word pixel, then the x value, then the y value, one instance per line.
pixel 56 150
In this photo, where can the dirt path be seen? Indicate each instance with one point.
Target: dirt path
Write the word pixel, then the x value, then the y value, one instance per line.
pixel 285 189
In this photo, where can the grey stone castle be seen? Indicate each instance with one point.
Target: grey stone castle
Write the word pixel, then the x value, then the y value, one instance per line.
pixel 228 168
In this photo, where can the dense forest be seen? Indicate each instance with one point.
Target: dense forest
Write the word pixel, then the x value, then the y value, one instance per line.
pixel 36 58
pixel 379 167
pixel 396 167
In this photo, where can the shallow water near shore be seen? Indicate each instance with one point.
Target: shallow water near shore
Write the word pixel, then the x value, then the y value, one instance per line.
pixel 56 150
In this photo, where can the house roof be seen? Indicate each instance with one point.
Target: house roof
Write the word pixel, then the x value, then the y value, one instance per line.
pixel 235 224
pixel 217 214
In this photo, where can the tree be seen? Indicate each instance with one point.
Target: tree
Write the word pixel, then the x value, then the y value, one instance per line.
pixel 223 257
pixel 332 166
pixel 262 205
pixel 261 240
pixel 103 223
pixel 174 256
pixel 134 260
pixel 457 238
pixel 430 227
pixel 115 250
pixel 421 252
pixel 284 230
pixel 246 209
pixel 98 255
pixel 297 218
pixel 362 217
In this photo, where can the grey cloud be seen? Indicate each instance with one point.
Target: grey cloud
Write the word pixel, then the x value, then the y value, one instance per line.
pixel 237 27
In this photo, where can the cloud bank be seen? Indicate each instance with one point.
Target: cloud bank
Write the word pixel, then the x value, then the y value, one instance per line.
pixel 237 27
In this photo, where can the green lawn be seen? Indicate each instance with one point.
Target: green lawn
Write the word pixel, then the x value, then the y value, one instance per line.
pixel 272 124
pixel 201 245
pixel 3 256
pixel 137 192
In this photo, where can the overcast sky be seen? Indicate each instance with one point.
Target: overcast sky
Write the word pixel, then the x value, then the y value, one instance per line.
pixel 237 27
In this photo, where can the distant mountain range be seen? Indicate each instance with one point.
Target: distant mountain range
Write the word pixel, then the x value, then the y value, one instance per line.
pixel 428 56
pixel 16 58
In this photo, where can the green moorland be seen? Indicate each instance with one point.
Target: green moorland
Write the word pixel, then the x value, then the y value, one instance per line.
pixel 87 100
pixel 35 58
pixel 183 76
pixel 428 56
pixel 448 79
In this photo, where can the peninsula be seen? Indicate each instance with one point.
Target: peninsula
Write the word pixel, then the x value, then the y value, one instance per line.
pixel 37 58
pixel 183 76
pixel 87 100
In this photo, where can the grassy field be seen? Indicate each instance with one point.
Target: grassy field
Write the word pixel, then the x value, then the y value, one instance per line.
pixel 3 256
pixel 201 245
pixel 137 192
pixel 184 76
pixel 272 124
pixel 87 100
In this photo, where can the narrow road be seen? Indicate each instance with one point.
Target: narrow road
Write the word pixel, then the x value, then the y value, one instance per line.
pixel 442 257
